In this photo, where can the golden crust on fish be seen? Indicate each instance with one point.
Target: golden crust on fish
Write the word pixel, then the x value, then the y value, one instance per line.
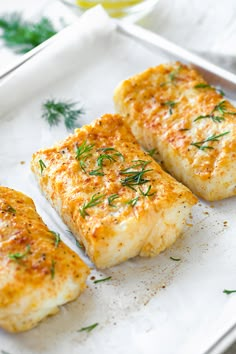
pixel 192 127
pixel 38 272
pixel 97 180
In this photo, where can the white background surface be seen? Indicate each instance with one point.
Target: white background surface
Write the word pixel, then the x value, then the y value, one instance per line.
pixel 135 313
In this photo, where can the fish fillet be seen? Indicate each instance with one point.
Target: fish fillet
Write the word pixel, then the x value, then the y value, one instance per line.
pixel 38 273
pixel 113 196
pixel 172 109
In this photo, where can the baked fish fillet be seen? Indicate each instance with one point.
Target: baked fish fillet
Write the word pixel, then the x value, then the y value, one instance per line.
pixel 172 109
pixel 113 196
pixel 38 272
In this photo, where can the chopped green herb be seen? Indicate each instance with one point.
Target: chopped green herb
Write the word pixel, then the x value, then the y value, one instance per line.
pixel 211 116
pixel 10 209
pixel 97 172
pixel 200 144
pixel 88 328
pixel 54 111
pixel 220 108
pixel 21 35
pixel 52 269
pixel 171 105
pixel 42 166
pixel 78 244
pixel 104 157
pixel 221 92
pixel 183 129
pixel 95 200
pixel 83 152
pixel 57 238
pixel 175 259
pixel 152 152
pixel 147 193
pixel 112 198
pixel 101 280
pixel 17 256
pixel 202 85
pixel 228 292
pixel 135 177
pixel 137 163
pixel 115 152
pixel 133 201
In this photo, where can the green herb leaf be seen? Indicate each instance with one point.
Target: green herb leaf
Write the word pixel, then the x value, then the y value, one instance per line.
pixel 82 153
pixel 114 152
pixel 17 256
pixel 88 328
pixel 175 259
pixel 21 35
pixel 213 137
pixel 10 209
pixel 95 200
pixel 78 244
pixel 228 292
pixel 42 166
pixel 202 85
pixel 147 193
pixel 221 92
pixel 57 238
pixel 104 157
pixel 97 172
pixel 211 116
pixel 184 129
pixel 135 177
pixel 112 198
pixel 54 111
pixel 152 152
pixel 170 104
pixel 133 201
pixel 52 269
pixel 101 280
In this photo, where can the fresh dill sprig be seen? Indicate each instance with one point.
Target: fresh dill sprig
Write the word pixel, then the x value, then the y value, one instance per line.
pixel 10 209
pixel 111 156
pixel 82 153
pixel 42 166
pixel 54 111
pixel 88 328
pixel 211 116
pixel 228 292
pixel 133 201
pixel 21 35
pixel 219 108
pixel 200 144
pixel 16 256
pixel 135 177
pixel 97 172
pixel 103 157
pixel 101 280
pixel 52 269
pixel 152 152
pixel 95 200
pixel 112 198
pixel 170 105
pixel 147 193
pixel 57 238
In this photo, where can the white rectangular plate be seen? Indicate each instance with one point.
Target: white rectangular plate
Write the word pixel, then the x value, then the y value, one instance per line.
pixel 150 305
